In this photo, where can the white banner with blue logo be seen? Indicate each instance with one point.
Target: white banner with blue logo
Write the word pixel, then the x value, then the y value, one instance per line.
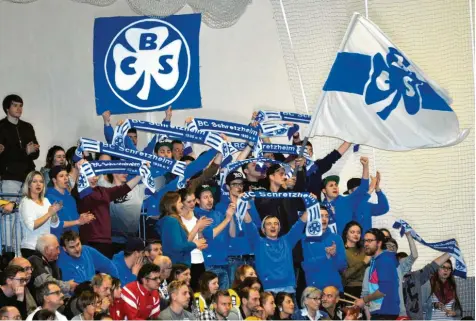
pixel 376 96
pixel 145 64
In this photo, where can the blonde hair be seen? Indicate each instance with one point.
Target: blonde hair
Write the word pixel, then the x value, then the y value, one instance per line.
pixel 26 186
pixel 99 278
pixel 307 292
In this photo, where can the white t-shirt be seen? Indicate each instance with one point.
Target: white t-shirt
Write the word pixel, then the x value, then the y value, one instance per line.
pixel 197 255
pixel 29 212
pixel 59 316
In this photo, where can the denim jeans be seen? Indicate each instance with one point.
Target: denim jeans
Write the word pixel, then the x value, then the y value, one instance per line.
pixel 234 262
pixel 222 272
pixel 10 224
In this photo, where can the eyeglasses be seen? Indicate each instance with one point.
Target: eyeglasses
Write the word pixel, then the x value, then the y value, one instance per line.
pixel 54 293
pixel 154 279
pixel 446 268
pixel 21 280
pixel 369 240
pixel 28 269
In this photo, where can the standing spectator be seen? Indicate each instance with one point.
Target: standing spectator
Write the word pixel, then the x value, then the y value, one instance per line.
pixel 98 233
pixel 141 297
pixel 383 279
pixel 341 208
pixel 10 313
pixel 174 234
pixel 28 269
pixel 217 234
pixel 179 301
pixel 49 297
pixel 445 304
pixel 177 149
pixel 56 156
pixel 324 257
pixel 12 293
pixel 130 261
pixel 284 306
pixel 69 218
pixel 80 262
pixel 357 261
pixel 36 212
pixel 44 265
pixel 18 149
pixel 87 303
pixel 366 210
pixel 310 301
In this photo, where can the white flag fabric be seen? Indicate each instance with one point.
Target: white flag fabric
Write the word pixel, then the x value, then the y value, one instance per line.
pixel 376 96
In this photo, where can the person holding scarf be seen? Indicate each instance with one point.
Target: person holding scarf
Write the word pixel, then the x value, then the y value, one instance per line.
pixel 341 208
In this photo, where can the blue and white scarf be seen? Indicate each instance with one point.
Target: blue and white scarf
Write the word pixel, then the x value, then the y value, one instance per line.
pixel 314 223
pixel 448 246
pixel 96 168
pixel 235 130
pixel 158 165
pixel 332 225
pixel 264 116
pixel 210 139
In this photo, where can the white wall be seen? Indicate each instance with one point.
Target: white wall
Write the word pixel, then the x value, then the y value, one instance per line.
pixel 46 57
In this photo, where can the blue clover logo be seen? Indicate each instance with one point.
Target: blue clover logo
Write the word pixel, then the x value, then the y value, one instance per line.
pixel 394 76
pixel 314 228
pixel 147 65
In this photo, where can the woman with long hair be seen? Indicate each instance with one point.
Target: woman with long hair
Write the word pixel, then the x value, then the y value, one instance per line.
pixel 56 156
pixel 208 285
pixel 242 272
pixel 180 272
pixel 268 305
pixel 173 232
pixel 357 261
pixel 194 227
pixel 445 304
pixel 284 306
pixel 37 215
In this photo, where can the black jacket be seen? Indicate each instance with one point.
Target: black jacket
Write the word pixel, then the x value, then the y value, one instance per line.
pixel 314 181
pixel 45 271
pixel 15 164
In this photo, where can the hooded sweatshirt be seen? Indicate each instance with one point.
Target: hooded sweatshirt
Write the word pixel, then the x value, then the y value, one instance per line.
pixel 383 276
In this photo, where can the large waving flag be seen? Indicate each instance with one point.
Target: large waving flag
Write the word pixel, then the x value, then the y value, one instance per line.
pixel 375 95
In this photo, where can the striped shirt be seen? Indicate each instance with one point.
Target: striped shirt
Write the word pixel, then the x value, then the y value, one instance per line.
pixel 139 303
pixel 441 314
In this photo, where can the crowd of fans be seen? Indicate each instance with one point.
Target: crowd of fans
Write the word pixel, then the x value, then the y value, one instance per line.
pixel 81 257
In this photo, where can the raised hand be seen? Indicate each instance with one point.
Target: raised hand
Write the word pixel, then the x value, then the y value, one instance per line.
pixel 373 184
pixel 168 114
pixel 377 185
pixel 106 117
pixel 230 210
pixel 364 161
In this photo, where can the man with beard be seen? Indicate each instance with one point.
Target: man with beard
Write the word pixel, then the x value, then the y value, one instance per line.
pixel 80 262
pixel 179 301
pixel 383 279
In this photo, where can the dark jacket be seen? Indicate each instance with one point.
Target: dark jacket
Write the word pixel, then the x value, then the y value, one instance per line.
pixel 286 210
pixel 15 164
pixel 314 181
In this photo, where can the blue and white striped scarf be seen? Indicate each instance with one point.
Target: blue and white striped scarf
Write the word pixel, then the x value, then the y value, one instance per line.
pixel 96 168
pixel 332 225
pixel 264 116
pixel 448 246
pixel 314 223
pixel 211 139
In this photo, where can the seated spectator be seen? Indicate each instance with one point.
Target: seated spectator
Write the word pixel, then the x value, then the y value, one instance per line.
pixel 81 262
pixel 252 283
pixel 242 272
pixel 45 267
pixel 87 304
pixel 37 215
pixel 130 261
pixel 311 302
pixel 68 215
pixel 28 269
pixel 102 284
pixel 324 257
pixel 102 316
pixel 249 302
pixel 341 208
pixel 165 265
pixel 208 286
pixel 268 305
pixel 180 272
pixel 97 234
pixel 179 301
pixel 12 293
pixel 152 250
pixel 221 308
pixel 44 314
pixel 284 306
pixel 274 255
pixel 10 313
pixel 56 156
pixel 49 297
pixel 357 261
pixel 173 232
pixel 141 297
pixel 330 303
pixel 116 308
